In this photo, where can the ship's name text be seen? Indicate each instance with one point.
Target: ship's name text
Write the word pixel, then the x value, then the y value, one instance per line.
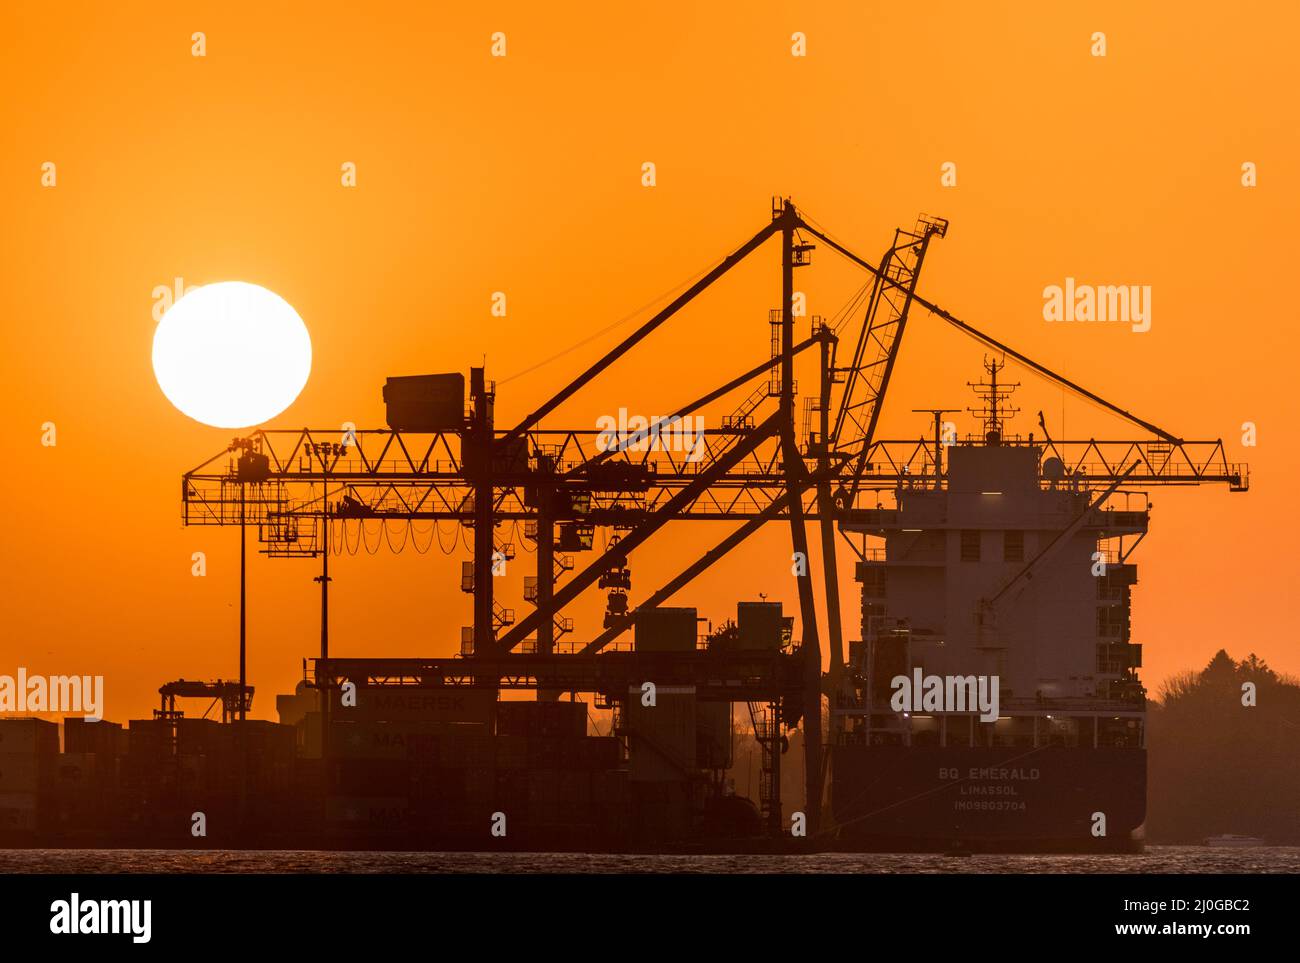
pixel 975 773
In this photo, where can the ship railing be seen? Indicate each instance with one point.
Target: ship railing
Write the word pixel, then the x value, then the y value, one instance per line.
pixel 1115 518
pixel 1065 707
pixel 1013 708
pixel 1109 555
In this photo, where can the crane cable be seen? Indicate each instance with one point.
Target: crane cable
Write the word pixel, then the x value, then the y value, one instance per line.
pixel 666 296
pixel 990 342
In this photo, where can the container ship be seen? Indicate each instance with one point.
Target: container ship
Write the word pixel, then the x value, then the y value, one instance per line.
pixel 1001 571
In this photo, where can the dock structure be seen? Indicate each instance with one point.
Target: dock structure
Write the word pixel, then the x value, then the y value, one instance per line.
pixel 822 469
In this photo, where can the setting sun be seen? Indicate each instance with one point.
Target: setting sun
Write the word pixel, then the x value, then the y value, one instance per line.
pixel 231 354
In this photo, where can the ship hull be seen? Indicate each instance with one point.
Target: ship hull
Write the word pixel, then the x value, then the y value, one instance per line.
pixel 935 799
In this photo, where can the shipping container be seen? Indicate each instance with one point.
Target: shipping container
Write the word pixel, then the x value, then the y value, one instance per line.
pixel 368 812
pixel 543 787
pixel 192 773
pixel 661 738
pixel 430 783
pixel 82 811
pixel 387 740
pixel 278 776
pixel 29 736
pixel 137 772
pixel 575 788
pixel 511 795
pixel 261 737
pixel 418 704
pixel 464 747
pixel 83 772
pixel 203 737
pixel 19 812
pixel 379 777
pixel 480 786
pixel 546 752
pixel 512 751
pixel 307 778
pixel 553 719
pixel 150 737
pixel 309 736
pixel 609 790
pixel 714 735
pixel 601 752
pixel 26 772
pixel 102 738
pixel 665 630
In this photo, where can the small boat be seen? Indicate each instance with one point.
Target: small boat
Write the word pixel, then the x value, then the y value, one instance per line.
pixel 1232 839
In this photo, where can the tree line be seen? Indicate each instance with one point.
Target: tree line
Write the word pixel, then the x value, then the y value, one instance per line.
pixel 1223 754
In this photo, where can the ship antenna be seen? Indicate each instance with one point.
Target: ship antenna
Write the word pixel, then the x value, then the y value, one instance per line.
pixel 938 414
pixel 994 396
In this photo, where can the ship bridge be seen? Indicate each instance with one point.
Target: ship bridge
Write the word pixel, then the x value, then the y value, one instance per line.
pixel 1007 557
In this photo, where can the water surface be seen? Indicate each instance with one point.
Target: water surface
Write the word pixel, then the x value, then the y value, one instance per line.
pixel 1156 859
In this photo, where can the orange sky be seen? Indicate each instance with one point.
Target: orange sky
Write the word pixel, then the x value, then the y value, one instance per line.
pixel 523 174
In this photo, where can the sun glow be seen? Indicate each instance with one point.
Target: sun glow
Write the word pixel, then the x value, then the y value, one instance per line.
pixel 231 354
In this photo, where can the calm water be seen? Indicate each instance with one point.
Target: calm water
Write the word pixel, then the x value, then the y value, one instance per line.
pixel 1157 859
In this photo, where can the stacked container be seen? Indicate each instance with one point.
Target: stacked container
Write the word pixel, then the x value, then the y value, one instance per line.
pixel 29 753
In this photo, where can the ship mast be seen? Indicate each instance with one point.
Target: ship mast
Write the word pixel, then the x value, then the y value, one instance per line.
pixel 994 397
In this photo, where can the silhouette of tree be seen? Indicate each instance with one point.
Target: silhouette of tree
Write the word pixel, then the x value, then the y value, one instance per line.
pixel 1220 670
pixel 1219 764
pixel 1178 686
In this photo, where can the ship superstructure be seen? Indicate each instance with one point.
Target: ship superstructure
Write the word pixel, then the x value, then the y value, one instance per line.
pixel 1005 570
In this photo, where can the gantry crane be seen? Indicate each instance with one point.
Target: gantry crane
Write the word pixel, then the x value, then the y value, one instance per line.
pixel 563 484
pixel 223 691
